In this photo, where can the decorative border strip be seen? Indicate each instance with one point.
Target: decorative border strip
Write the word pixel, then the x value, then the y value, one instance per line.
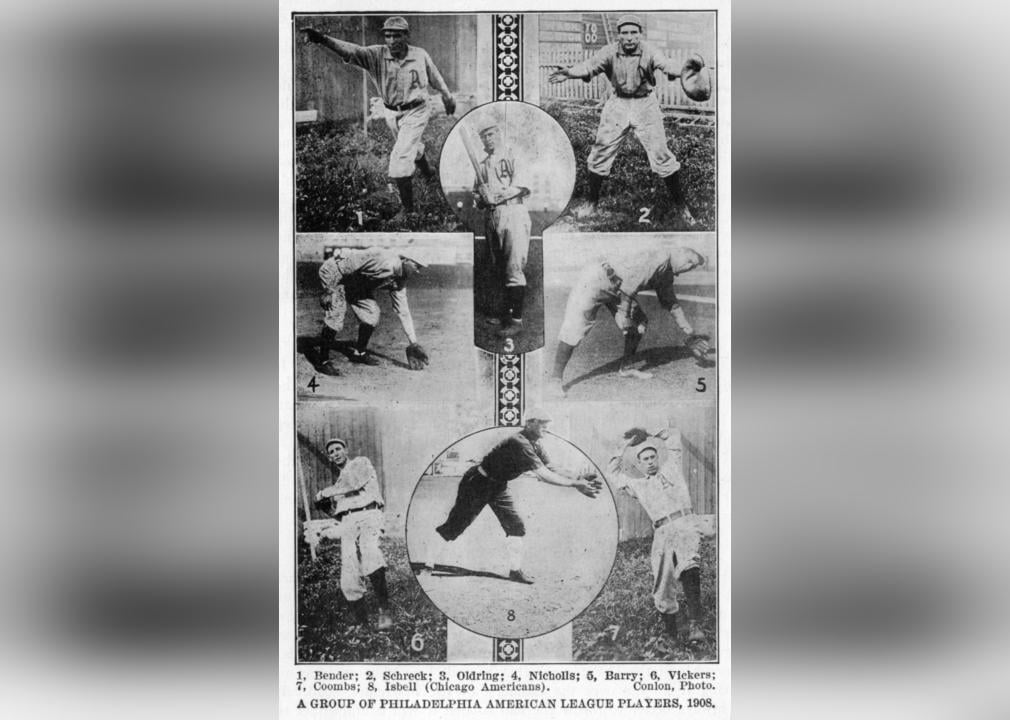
pixel 509 395
pixel 508 55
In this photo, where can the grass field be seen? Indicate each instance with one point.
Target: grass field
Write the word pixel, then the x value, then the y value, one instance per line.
pixel 631 186
pixel 340 171
pixel 622 624
pixel 325 633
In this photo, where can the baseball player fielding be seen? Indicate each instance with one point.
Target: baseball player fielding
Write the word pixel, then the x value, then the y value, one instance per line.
pixel 631 65
pixel 403 74
pixel 614 282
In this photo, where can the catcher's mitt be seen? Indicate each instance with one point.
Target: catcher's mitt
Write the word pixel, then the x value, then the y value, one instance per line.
pixel 700 348
pixel 417 358
pixel 636 436
pixel 696 79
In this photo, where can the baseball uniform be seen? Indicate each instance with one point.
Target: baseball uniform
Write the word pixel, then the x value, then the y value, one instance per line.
pixel 507 225
pixel 404 86
pixel 677 530
pixel 353 276
pixel 358 507
pixel 614 283
pixel 487 484
pixel 632 107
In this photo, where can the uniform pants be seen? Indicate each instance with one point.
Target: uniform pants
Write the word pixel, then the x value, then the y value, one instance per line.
pixel 508 231
pixel 621 117
pixel 475 491
pixel 360 554
pixel 408 147
pixel 594 290
pixel 675 548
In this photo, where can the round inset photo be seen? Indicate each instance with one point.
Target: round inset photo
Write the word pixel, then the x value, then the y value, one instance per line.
pixel 512 532
pixel 505 165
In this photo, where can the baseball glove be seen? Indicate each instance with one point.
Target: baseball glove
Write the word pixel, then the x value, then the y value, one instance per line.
pixel 450 105
pixel 417 358
pixel 636 435
pixel 313 35
pixel 699 346
pixel 696 79
pixel 324 505
pixel 589 484
pixel 326 301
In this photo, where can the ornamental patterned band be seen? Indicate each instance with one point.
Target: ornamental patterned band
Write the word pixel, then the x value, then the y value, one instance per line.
pixel 507 650
pixel 508 52
pixel 509 395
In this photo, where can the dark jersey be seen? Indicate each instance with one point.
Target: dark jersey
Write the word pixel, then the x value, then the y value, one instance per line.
pixel 514 456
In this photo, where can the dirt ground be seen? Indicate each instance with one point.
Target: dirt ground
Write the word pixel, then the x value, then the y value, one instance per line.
pixel 622 623
pixel 441 303
pixel 489 302
pixel 569 551
pixel 592 371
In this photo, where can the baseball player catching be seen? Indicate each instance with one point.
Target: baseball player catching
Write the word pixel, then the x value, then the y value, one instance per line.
pixel 662 491
pixel 486 484
pixel 631 66
pixel 351 277
pixel 614 283
pixel 402 73
pixel 355 504
pixel 499 188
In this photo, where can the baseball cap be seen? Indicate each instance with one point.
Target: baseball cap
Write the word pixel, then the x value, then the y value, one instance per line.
pixel 413 260
pixel 537 414
pixel 629 20
pixel 647 444
pixel 488 126
pixel 335 441
pixel 396 23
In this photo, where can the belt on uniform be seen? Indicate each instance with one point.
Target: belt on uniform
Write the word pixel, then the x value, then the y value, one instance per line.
pixel 404 107
pixel 632 96
pixel 374 505
pixel 670 518
pixel 482 471
pixel 510 201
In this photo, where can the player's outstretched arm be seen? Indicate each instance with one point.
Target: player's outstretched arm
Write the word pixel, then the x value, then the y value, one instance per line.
pixel 589 484
pixel 438 82
pixel 346 51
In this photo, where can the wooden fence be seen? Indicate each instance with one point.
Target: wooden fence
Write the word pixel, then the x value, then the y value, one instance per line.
pixel 669 93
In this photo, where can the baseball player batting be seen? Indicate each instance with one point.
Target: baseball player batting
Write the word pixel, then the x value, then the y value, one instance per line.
pixel 486 485
pixel 499 188
pixel 355 504
pixel 351 277
pixel 661 490
pixel 402 73
pixel 614 282
pixel 631 66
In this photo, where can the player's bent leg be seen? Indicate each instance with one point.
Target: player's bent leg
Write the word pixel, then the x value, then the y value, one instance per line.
pixel 514 545
pixel 323 363
pixel 360 354
pixel 631 340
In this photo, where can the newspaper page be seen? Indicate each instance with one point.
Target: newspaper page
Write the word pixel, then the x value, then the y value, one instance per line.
pixel 505 360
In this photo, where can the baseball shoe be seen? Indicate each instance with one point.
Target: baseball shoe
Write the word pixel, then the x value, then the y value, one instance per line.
pixel 686 218
pixel 511 327
pixel 489 320
pixel 584 210
pixel 517 576
pixel 328 368
pixel 362 358
pixel 555 389
pixel 694 633
pixel 634 373
pixel 384 621
pixel 426 570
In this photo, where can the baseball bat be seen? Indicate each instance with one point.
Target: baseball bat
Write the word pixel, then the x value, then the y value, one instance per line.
pixel 471 152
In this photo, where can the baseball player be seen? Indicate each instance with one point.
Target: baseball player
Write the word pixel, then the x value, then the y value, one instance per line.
pixel 614 282
pixel 403 73
pixel 631 66
pixel 486 484
pixel 500 188
pixel 351 277
pixel 355 503
pixel 662 492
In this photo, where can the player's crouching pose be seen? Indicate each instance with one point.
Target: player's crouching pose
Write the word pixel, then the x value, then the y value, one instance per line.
pixel 351 277
pixel 663 494
pixel 403 73
pixel 486 484
pixel 631 66
pixel 614 283
pixel 355 503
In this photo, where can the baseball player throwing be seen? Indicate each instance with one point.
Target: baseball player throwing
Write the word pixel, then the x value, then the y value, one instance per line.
pixel 403 73
pixel 500 188
pixel 631 66
pixel 351 277
pixel 355 504
pixel 614 283
pixel 486 484
pixel 663 493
